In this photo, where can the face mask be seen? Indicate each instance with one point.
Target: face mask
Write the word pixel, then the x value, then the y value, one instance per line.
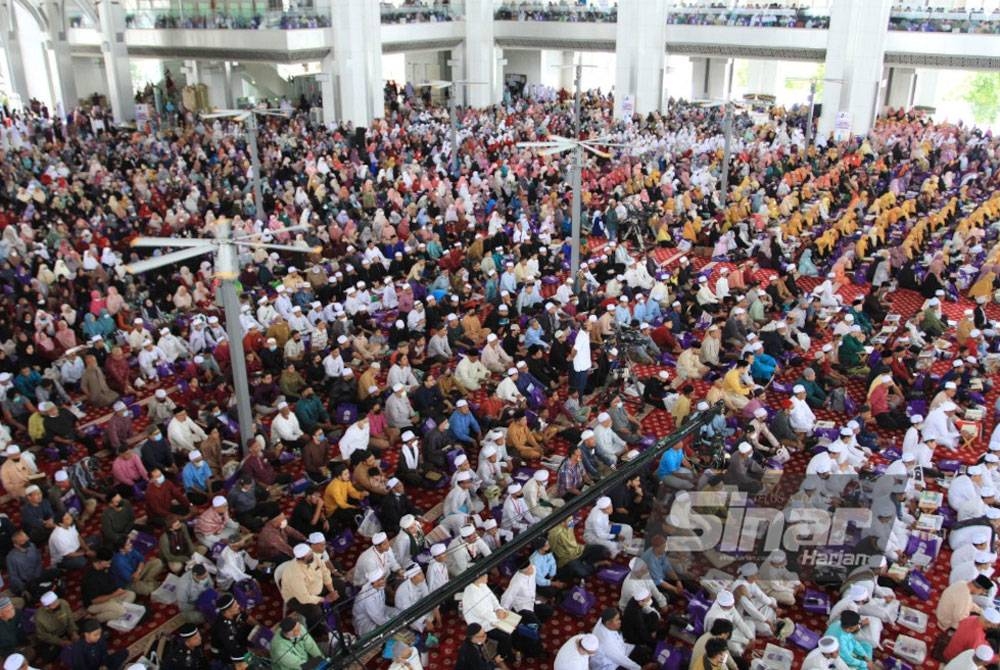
pixel 283 524
pixel 161 479
pixel 571 523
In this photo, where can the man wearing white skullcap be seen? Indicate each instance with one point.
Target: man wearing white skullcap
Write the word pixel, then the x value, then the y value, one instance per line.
pixel 490 469
pixel 369 610
pixel 215 525
pixel 576 652
pixel 777 580
pixel 609 445
pixel 517 517
pixel 940 425
pixel 965 488
pixel 410 541
pixel 743 471
pixel 411 590
pixel 874 612
pixel 507 390
pixel 757 607
pixel 379 556
pixel 16 662
pixel 437 569
pixel 724 607
pixel 826 656
pixel 536 494
pixel 300 582
pixel 599 530
pixel 460 503
pixel 464 550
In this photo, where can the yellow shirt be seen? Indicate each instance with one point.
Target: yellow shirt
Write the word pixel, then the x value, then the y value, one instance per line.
pixel 337 496
pixel 733 383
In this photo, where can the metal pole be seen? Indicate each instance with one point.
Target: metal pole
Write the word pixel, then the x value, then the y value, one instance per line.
pixel 727 127
pixel 809 122
pixel 258 196
pixel 574 262
pixel 228 265
pixel 454 128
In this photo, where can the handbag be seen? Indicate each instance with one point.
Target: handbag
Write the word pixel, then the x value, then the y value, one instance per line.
pixel 579 602
pixel 919 584
pixel 369 524
pixel 671 658
pixel 613 574
pixel 816 602
pixel 247 593
pixel 804 638
pixel 342 542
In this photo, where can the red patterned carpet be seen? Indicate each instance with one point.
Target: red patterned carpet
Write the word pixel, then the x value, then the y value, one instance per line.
pixel 658 423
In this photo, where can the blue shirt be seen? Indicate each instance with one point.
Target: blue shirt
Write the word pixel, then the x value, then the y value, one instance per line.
pixel 852 652
pixel 196 476
pixel 763 367
pixel 670 462
pixel 463 426
pixel 533 336
pixel 545 568
pixel 123 566
pixel 660 569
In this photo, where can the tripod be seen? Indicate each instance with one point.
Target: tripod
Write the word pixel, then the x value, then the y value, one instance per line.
pixel 623 381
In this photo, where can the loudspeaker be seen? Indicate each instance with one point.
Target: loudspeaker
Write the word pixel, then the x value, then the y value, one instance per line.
pixel 359 138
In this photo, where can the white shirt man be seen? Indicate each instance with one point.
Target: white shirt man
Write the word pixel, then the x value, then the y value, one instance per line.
pixel 612 652
pixel 149 358
pixel 598 528
pixel 520 593
pixel 581 349
pixel 412 590
pixel 369 610
pixel 826 656
pixel 576 652
pixel 609 445
pixel 516 515
pixel 355 438
pixel 464 549
pixel 379 556
pixel 801 416
pixel 183 433
pixel 62 542
pixel 939 425
pixel 285 425
pixel 172 346
pixel 437 569
pixel 724 607
pixel 507 389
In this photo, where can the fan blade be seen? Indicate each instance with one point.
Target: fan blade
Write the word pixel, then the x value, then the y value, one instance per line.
pixel 168 259
pixel 603 144
pixel 268 112
pixel 170 242
pixel 560 138
pixel 554 151
pixel 541 145
pixel 594 151
pixel 280 247
pixel 255 237
pixel 220 113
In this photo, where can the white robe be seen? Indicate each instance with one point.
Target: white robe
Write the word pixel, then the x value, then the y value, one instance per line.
pixel 743 631
pixel 612 650
pixel 937 425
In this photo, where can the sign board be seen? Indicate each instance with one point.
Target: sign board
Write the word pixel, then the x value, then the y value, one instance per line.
pixel 141 114
pixel 628 106
pixel 842 126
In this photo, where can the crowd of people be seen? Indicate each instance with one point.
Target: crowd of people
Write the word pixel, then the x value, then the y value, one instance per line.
pixel 752 15
pixel 571 12
pixel 943 20
pixel 225 21
pixel 427 343
pixel 417 11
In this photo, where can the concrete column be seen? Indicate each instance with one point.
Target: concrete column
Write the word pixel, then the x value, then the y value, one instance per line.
pixel 902 84
pixel 481 54
pixel 855 52
pixel 13 75
pixel 192 72
pixel 327 81
pixel 763 77
pixel 356 63
pixel 456 72
pixel 710 78
pixel 231 78
pixel 566 73
pixel 62 82
pixel 925 93
pixel 116 62
pixel 640 54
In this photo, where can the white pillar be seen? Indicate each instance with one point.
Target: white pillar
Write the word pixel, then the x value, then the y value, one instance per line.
pixel 925 93
pixel 63 83
pixel 192 72
pixel 13 75
pixel 640 54
pixel 116 62
pixel 481 54
pixel 356 65
pixel 710 78
pixel 456 72
pixel 855 52
pixel 763 77
pixel 327 80
pixel 566 73
pixel 902 84
pixel 231 77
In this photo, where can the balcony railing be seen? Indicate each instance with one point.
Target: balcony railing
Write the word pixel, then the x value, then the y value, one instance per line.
pixel 429 13
pixel 171 20
pixel 934 21
pixel 778 17
pixel 531 11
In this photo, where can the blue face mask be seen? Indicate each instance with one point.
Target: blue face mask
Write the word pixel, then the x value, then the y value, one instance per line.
pixel 571 524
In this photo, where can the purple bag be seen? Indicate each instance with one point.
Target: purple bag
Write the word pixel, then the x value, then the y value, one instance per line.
pixel 579 602
pixel 893 663
pixel 949 465
pixel 206 604
pixel 143 542
pixel 923 545
pixel 698 606
pixel 346 414
pixel 804 638
pixel 613 574
pixel 247 593
pixel 892 454
pixel 260 638
pixel 342 542
pixel 299 485
pixel 919 584
pixel 816 602
pixel 671 658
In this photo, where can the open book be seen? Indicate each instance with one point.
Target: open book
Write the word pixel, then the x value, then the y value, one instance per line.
pixel 509 623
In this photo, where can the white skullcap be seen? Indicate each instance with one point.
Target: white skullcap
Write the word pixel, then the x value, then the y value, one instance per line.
pixel 829 644
pixel 408 436
pixel 948 406
pixel 663 374
pixel 463 476
pixel 491 338
pixel 462 403
pixel 827 348
pixel 392 483
pixel 726 599
pixel 219 501
pixel 118 406
pixel 17 661
pixel 407 521
pixel 461 459
pixel 467 531
pixel 992 614
pixel 777 556
pixel 194 455
pixel 760 412
pixel 511 372
pixel 975 471
pixel 591 643
pixel 745 448
pixel 984 652
pixel 981 537
pixel 984 557
pixel 586 435
pixel 857 593
pixel 603 502
pixel 835 447
pixel 45 406
pixel 798 388
pixel 602 417
pixel 975 332
pixel 991 458
pixel 488 451
pixel 987 492
pixel 413 571
pixel 438 549
pixel 748 569
pixel 642 593
pixel 846 432
pixel 316 538
pixel 48 598
pixel 541 475
pixel 379 538
pixel 374 575
pixel 397 387
pixel 301 550
pixel 61 476
pixel 917 418
pixel 513 489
